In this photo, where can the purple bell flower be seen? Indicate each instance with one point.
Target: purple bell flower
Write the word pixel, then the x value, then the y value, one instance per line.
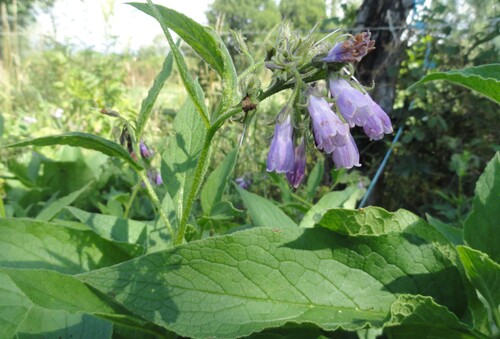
pixel 145 153
pixel 281 156
pixel 329 130
pixel 354 106
pixel 296 175
pixel 353 49
pixel 346 156
pixel 378 123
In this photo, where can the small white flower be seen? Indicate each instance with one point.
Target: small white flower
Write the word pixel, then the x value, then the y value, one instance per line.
pixel 58 113
pixel 29 120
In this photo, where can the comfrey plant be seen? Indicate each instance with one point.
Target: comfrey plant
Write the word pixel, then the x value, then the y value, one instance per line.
pixel 201 270
pixel 331 131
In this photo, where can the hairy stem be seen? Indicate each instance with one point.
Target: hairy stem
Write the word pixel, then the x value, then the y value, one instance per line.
pixel 156 201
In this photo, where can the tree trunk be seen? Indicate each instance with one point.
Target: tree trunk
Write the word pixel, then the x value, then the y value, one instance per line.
pixel 387 18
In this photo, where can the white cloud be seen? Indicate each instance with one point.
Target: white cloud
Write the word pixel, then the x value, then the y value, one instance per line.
pixel 83 22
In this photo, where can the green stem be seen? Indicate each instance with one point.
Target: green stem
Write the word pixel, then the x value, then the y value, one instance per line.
pixel 250 70
pixel 131 200
pixel 197 180
pixel 156 201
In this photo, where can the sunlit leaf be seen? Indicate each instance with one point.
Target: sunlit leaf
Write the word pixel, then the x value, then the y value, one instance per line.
pixel 83 140
pixel 233 285
pixel 481 228
pixel 483 79
pixel 264 212
pixel 27 243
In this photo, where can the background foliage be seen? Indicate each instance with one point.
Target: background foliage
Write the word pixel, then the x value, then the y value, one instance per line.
pixel 449 135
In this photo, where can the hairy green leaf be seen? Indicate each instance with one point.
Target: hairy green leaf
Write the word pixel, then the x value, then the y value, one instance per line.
pixel 43 323
pixel 27 243
pixel 483 79
pixel 154 91
pixel 53 209
pixel 83 140
pixel 233 285
pixel 481 228
pixel 14 307
pixel 416 316
pixel 129 235
pixel 370 220
pixel 327 202
pixel 183 151
pixel 453 234
pixel 216 184
pixel 484 274
pixel 263 212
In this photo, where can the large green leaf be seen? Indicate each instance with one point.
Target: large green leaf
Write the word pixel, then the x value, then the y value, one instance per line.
pixel 27 243
pixel 416 316
pixel 484 274
pixel 327 202
pixel 149 101
pixel 482 226
pixel 14 306
pixel 483 79
pixel 212 191
pixel 233 285
pixel 52 209
pixel 83 140
pixel 264 212
pixel 43 323
pixel 129 235
pixel 55 303
pixel 370 220
pixel 180 158
pixel 452 233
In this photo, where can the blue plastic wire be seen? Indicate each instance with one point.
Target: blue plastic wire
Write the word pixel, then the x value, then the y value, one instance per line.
pixel 381 168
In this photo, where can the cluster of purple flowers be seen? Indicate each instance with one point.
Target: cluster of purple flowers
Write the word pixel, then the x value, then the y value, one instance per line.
pixel 331 132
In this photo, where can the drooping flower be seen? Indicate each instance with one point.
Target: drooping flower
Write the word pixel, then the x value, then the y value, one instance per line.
pixel 281 155
pixel 354 106
pixel 329 131
pixel 296 175
pixel 244 182
pixel 353 49
pixel 145 153
pixel 346 156
pixel 378 123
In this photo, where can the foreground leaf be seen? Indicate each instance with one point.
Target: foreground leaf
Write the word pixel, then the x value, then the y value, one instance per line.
pixel 416 316
pixel 483 79
pixel 231 286
pixel 482 226
pixel 14 306
pixel 370 220
pixel 485 277
pixel 83 140
pixel 27 243
pixel 263 212
pixel 129 235
pixel 51 297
